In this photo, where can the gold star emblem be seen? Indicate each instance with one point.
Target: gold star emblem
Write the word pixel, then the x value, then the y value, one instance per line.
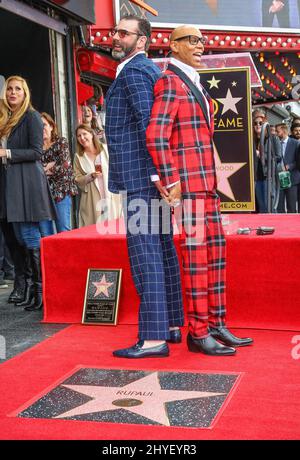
pixel 213 83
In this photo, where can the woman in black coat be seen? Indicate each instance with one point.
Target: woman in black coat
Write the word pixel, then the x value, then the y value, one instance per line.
pixel 25 195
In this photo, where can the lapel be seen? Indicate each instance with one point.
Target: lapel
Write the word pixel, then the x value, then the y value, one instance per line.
pixel 114 83
pixel 194 90
pixel 287 150
pixel 18 124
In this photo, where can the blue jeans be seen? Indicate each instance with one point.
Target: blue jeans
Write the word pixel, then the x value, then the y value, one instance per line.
pixel 62 224
pixel 261 195
pixel 28 234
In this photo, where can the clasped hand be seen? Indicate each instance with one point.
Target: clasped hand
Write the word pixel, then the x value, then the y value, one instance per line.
pixel 172 195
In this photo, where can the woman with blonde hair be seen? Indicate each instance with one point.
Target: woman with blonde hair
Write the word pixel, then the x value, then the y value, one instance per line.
pixel 91 175
pixel 25 198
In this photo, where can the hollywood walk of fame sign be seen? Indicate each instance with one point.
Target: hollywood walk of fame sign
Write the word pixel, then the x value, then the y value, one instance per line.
pixel 230 91
pixel 102 296
pixel 191 400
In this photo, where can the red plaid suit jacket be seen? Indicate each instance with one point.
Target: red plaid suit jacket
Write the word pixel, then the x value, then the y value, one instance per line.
pixel 178 138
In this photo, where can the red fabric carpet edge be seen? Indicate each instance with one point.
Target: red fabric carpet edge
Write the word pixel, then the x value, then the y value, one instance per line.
pixel 263 406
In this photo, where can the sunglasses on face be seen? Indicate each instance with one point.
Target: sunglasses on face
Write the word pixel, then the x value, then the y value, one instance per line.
pixel 258 123
pixel 123 33
pixel 194 40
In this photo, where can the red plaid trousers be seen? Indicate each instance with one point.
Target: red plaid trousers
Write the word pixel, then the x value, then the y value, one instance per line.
pixel 204 261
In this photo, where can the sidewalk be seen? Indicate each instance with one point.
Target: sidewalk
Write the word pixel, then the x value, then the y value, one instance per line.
pixel 20 329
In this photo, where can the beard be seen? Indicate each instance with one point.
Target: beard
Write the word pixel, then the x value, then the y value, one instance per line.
pixel 124 52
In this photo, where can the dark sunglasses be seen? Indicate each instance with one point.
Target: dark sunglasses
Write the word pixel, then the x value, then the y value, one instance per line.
pixel 194 40
pixel 123 33
pixel 258 123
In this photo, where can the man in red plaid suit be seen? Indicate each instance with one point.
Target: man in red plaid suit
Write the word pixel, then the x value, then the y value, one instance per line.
pixel 180 141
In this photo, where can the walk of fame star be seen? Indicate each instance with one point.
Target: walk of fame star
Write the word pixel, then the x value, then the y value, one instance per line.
pixel 130 397
pixel 229 102
pixel 182 399
pixel 102 287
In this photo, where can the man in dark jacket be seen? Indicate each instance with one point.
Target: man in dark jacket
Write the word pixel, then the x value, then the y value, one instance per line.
pixel 289 156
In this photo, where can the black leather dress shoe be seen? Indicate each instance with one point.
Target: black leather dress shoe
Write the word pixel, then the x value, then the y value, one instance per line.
pixel 175 336
pixel 208 346
pixel 138 352
pixel 226 337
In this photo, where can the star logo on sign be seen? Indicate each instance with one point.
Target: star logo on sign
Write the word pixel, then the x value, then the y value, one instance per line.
pixel 233 83
pixel 213 83
pixel 133 398
pixel 229 102
pixel 224 171
pixel 102 287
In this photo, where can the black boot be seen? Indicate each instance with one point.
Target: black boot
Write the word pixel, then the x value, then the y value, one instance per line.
pixel 28 291
pixel 29 294
pixel 37 303
pixel 18 293
pixel 23 272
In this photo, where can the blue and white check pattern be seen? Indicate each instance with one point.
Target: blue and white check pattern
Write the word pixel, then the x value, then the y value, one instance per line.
pixel 128 107
pixel 155 269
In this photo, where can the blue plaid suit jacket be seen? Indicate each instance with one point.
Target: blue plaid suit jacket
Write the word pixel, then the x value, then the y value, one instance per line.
pixel 128 107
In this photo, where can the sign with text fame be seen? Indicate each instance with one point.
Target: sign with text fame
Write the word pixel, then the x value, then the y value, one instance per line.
pixel 231 93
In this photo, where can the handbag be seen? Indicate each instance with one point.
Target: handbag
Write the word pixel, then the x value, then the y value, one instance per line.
pixel 284 176
pixel 285 179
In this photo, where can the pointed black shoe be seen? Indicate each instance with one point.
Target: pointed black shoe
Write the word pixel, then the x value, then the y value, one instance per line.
pixel 175 336
pixel 137 351
pixel 226 337
pixel 208 346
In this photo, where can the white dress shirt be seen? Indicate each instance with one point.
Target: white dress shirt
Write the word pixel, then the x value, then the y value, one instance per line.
pixel 123 63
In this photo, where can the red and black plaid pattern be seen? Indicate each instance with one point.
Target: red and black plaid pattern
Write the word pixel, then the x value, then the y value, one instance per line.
pixel 203 252
pixel 178 138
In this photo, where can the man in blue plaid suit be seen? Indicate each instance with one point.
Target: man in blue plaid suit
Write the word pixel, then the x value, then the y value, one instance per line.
pixel 153 258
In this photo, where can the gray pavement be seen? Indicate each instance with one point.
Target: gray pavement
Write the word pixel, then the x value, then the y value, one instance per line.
pixel 20 329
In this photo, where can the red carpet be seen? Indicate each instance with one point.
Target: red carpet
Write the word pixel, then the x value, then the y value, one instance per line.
pixel 262 273
pixel 263 277
pixel 265 403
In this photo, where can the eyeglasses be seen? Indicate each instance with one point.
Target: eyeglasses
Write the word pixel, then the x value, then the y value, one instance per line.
pixel 258 123
pixel 123 33
pixel 194 40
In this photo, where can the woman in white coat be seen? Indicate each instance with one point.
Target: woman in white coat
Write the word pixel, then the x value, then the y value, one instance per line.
pixel 91 175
